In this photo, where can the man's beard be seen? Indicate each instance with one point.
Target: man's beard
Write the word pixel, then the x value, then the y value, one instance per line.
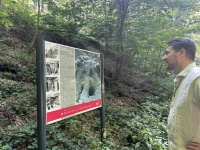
pixel 170 66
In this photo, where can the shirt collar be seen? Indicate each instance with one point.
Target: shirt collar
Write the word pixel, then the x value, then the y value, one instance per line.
pixel 185 71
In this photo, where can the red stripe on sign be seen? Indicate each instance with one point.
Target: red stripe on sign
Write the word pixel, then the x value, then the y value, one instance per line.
pixel 73 110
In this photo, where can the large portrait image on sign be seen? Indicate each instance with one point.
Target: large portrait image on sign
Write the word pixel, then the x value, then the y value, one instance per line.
pixel 88 80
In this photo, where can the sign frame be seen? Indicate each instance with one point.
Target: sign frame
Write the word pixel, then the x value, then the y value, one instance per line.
pixel 42 98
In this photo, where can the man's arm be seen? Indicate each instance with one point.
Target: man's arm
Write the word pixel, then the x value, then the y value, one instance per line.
pixel 197 90
pixel 193 146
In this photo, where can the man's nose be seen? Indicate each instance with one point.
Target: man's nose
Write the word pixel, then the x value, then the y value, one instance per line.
pixel 164 57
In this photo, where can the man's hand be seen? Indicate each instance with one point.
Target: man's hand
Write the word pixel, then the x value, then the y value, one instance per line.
pixel 192 146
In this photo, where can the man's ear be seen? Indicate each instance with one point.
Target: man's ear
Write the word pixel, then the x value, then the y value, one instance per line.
pixel 182 52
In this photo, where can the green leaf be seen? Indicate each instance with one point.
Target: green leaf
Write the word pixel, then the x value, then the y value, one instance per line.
pixel 3 14
pixel 55 148
pixel 137 145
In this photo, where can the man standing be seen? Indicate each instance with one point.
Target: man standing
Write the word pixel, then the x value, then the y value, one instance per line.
pixel 184 115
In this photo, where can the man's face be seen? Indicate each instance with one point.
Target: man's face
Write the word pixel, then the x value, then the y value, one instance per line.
pixel 170 57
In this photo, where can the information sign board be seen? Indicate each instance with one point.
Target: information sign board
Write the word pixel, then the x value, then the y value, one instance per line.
pixel 73 81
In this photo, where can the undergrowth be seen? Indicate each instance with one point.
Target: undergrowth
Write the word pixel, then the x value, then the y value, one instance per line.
pixel 129 128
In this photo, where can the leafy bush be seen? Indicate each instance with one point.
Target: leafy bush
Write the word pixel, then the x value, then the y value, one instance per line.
pixel 20 18
pixel 148 127
pixel 16 137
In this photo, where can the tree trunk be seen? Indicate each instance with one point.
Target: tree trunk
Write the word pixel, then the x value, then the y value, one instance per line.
pixel 106 25
pixel 123 10
pixel 42 8
pixel 35 4
pixel 38 22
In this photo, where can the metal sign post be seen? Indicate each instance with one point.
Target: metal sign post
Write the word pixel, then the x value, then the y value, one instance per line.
pixel 102 109
pixel 41 94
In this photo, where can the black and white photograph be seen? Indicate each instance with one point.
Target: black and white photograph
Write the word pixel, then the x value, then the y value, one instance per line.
pixel 52 68
pixel 51 50
pixel 88 80
pixel 52 84
pixel 53 101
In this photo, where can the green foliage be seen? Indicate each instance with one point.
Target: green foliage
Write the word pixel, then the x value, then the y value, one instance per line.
pixel 149 128
pixel 18 137
pixel 17 57
pixel 5 20
pixel 19 18
pixel 11 9
pixel 9 87
pixel 62 24
pixel 4 16
pixel 162 80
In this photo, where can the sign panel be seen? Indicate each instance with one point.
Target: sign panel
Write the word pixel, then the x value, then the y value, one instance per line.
pixel 73 81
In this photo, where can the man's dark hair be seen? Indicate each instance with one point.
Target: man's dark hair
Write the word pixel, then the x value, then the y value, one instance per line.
pixel 184 43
